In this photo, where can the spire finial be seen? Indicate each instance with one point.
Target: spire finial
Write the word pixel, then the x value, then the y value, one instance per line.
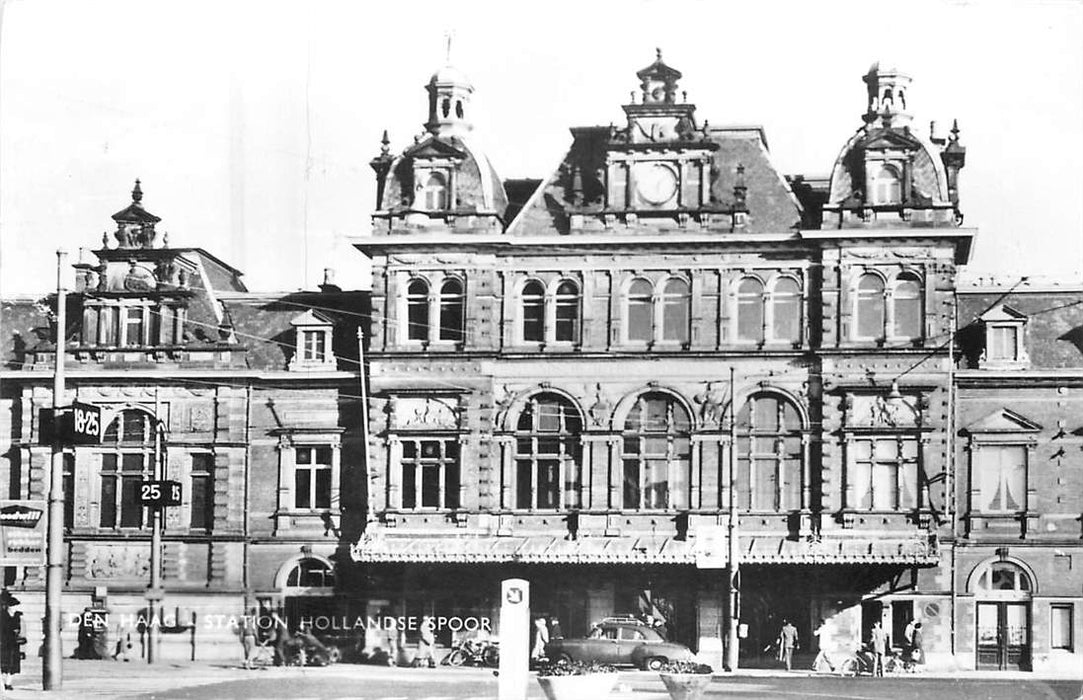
pixel 954 129
pixel 658 53
pixel 447 50
pixel 137 192
pixel 385 144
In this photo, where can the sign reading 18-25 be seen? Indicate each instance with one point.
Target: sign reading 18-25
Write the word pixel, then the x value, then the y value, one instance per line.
pixel 86 424
pixel 157 494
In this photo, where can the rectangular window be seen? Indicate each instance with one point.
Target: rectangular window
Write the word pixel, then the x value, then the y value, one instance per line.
pixel 134 326
pixel 108 502
pixel 202 490
pixel 640 319
pixel 1002 476
pixel 430 473
pixel 314 348
pixel 1060 626
pixel 69 491
pixel 1002 343
pixel 131 481
pixel 567 312
pixel 533 320
pixel 109 325
pixel 312 478
pixel 884 473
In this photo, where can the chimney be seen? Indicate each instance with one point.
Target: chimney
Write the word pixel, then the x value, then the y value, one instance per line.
pixel 329 285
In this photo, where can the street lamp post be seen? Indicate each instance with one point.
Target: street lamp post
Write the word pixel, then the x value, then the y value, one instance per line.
pixel 51 671
pixel 732 636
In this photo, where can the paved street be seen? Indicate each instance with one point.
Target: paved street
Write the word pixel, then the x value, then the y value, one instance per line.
pixel 87 679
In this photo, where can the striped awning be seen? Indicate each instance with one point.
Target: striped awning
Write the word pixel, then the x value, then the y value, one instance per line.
pixel 382 546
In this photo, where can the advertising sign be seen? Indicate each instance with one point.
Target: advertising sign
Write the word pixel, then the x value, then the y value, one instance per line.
pixel 711 547
pixel 22 533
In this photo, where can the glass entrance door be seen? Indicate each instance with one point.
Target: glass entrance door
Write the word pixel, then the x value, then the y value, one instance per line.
pixel 1004 636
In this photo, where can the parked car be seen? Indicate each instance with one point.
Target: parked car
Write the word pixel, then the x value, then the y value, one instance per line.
pixel 619 641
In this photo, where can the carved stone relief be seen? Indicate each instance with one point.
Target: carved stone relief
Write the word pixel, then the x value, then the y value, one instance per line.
pixel 105 561
pixel 425 413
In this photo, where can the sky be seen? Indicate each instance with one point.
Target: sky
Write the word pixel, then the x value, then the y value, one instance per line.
pixel 251 124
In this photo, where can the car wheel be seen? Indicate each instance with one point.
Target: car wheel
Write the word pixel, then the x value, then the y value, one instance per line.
pixel 456 658
pixel 492 657
pixel 848 668
pixel 654 663
pixel 564 658
pixel 334 655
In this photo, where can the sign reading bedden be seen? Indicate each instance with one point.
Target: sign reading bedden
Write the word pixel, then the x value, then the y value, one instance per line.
pixel 22 533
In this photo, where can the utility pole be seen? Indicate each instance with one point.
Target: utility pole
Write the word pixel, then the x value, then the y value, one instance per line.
pixel 154 592
pixel 732 637
pixel 51 671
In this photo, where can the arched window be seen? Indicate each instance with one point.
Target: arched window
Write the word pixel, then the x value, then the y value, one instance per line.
pixel 907 303
pixel 533 300
pixel 657 453
pixel 451 310
pixel 641 311
pixel 311 573
pixel 567 312
pixel 436 192
pixel 750 310
pixel 887 186
pixel 786 310
pixel 127 460
pixel 770 454
pixel 870 307
pixel 676 310
pixel 547 454
pixel 417 310
pixel 1004 576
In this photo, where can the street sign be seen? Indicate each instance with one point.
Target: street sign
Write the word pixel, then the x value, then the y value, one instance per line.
pixel 157 494
pixel 86 424
pixel 22 533
pixel 711 547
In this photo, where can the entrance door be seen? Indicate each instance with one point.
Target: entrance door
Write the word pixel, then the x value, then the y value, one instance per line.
pixel 1004 636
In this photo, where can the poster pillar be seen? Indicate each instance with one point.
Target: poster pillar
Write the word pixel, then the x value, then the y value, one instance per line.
pixel 514 638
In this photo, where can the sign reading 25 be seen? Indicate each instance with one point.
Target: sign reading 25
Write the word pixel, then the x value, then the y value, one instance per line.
pixel 156 494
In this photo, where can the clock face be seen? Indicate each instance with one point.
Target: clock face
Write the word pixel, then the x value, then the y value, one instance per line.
pixel 656 183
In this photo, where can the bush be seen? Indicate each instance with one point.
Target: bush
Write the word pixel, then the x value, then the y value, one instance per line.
pixel 685 667
pixel 573 668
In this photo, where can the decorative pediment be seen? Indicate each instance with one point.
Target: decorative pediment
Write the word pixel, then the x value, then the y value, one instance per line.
pixel 434 148
pixel 889 139
pixel 1002 420
pixel 312 317
pixel 1003 313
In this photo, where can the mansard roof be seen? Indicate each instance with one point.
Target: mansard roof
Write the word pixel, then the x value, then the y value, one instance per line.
pixel 772 206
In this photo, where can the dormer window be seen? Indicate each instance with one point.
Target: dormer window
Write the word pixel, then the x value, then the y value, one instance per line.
pixel 1005 330
pixel 435 194
pixel 887 186
pixel 313 342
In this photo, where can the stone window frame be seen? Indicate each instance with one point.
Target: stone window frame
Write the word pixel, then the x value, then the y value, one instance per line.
pixel 767 307
pixel 658 280
pixel 673 460
pixel 312 325
pixel 288 440
pixel 102 317
pixel 550 299
pixel 445 505
pixel 566 438
pixel 890 279
pixel 801 432
pixel 1003 318
pixel 434 281
pixel 147 448
pixel 980 443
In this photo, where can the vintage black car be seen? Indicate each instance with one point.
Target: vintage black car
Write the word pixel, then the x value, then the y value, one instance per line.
pixel 619 642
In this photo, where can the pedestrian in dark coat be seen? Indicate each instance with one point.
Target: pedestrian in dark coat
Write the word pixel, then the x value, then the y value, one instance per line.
pixel 11 639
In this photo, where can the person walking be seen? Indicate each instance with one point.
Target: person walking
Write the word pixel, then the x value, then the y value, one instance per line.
pixel 917 654
pixel 426 644
pixel 822 662
pixel 541 638
pixel 248 640
pixel 787 642
pixel 11 639
pixel 554 628
pixel 878 638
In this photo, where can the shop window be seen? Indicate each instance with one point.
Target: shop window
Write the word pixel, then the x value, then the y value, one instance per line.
pixel 884 473
pixel 786 310
pixel 451 311
pixel 201 489
pixel 870 307
pixel 770 454
pixel 548 448
pixel 906 299
pixel 126 461
pixel 1060 626
pixel 750 310
pixel 1001 472
pixel 656 453
pixel 641 311
pixel 430 473
pixel 312 477
pixel 417 310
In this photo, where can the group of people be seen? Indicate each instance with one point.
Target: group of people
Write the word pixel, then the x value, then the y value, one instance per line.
pixel 546 628
pixel 878 646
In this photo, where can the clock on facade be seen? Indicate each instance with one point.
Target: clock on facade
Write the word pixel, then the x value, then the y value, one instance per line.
pixel 656 183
